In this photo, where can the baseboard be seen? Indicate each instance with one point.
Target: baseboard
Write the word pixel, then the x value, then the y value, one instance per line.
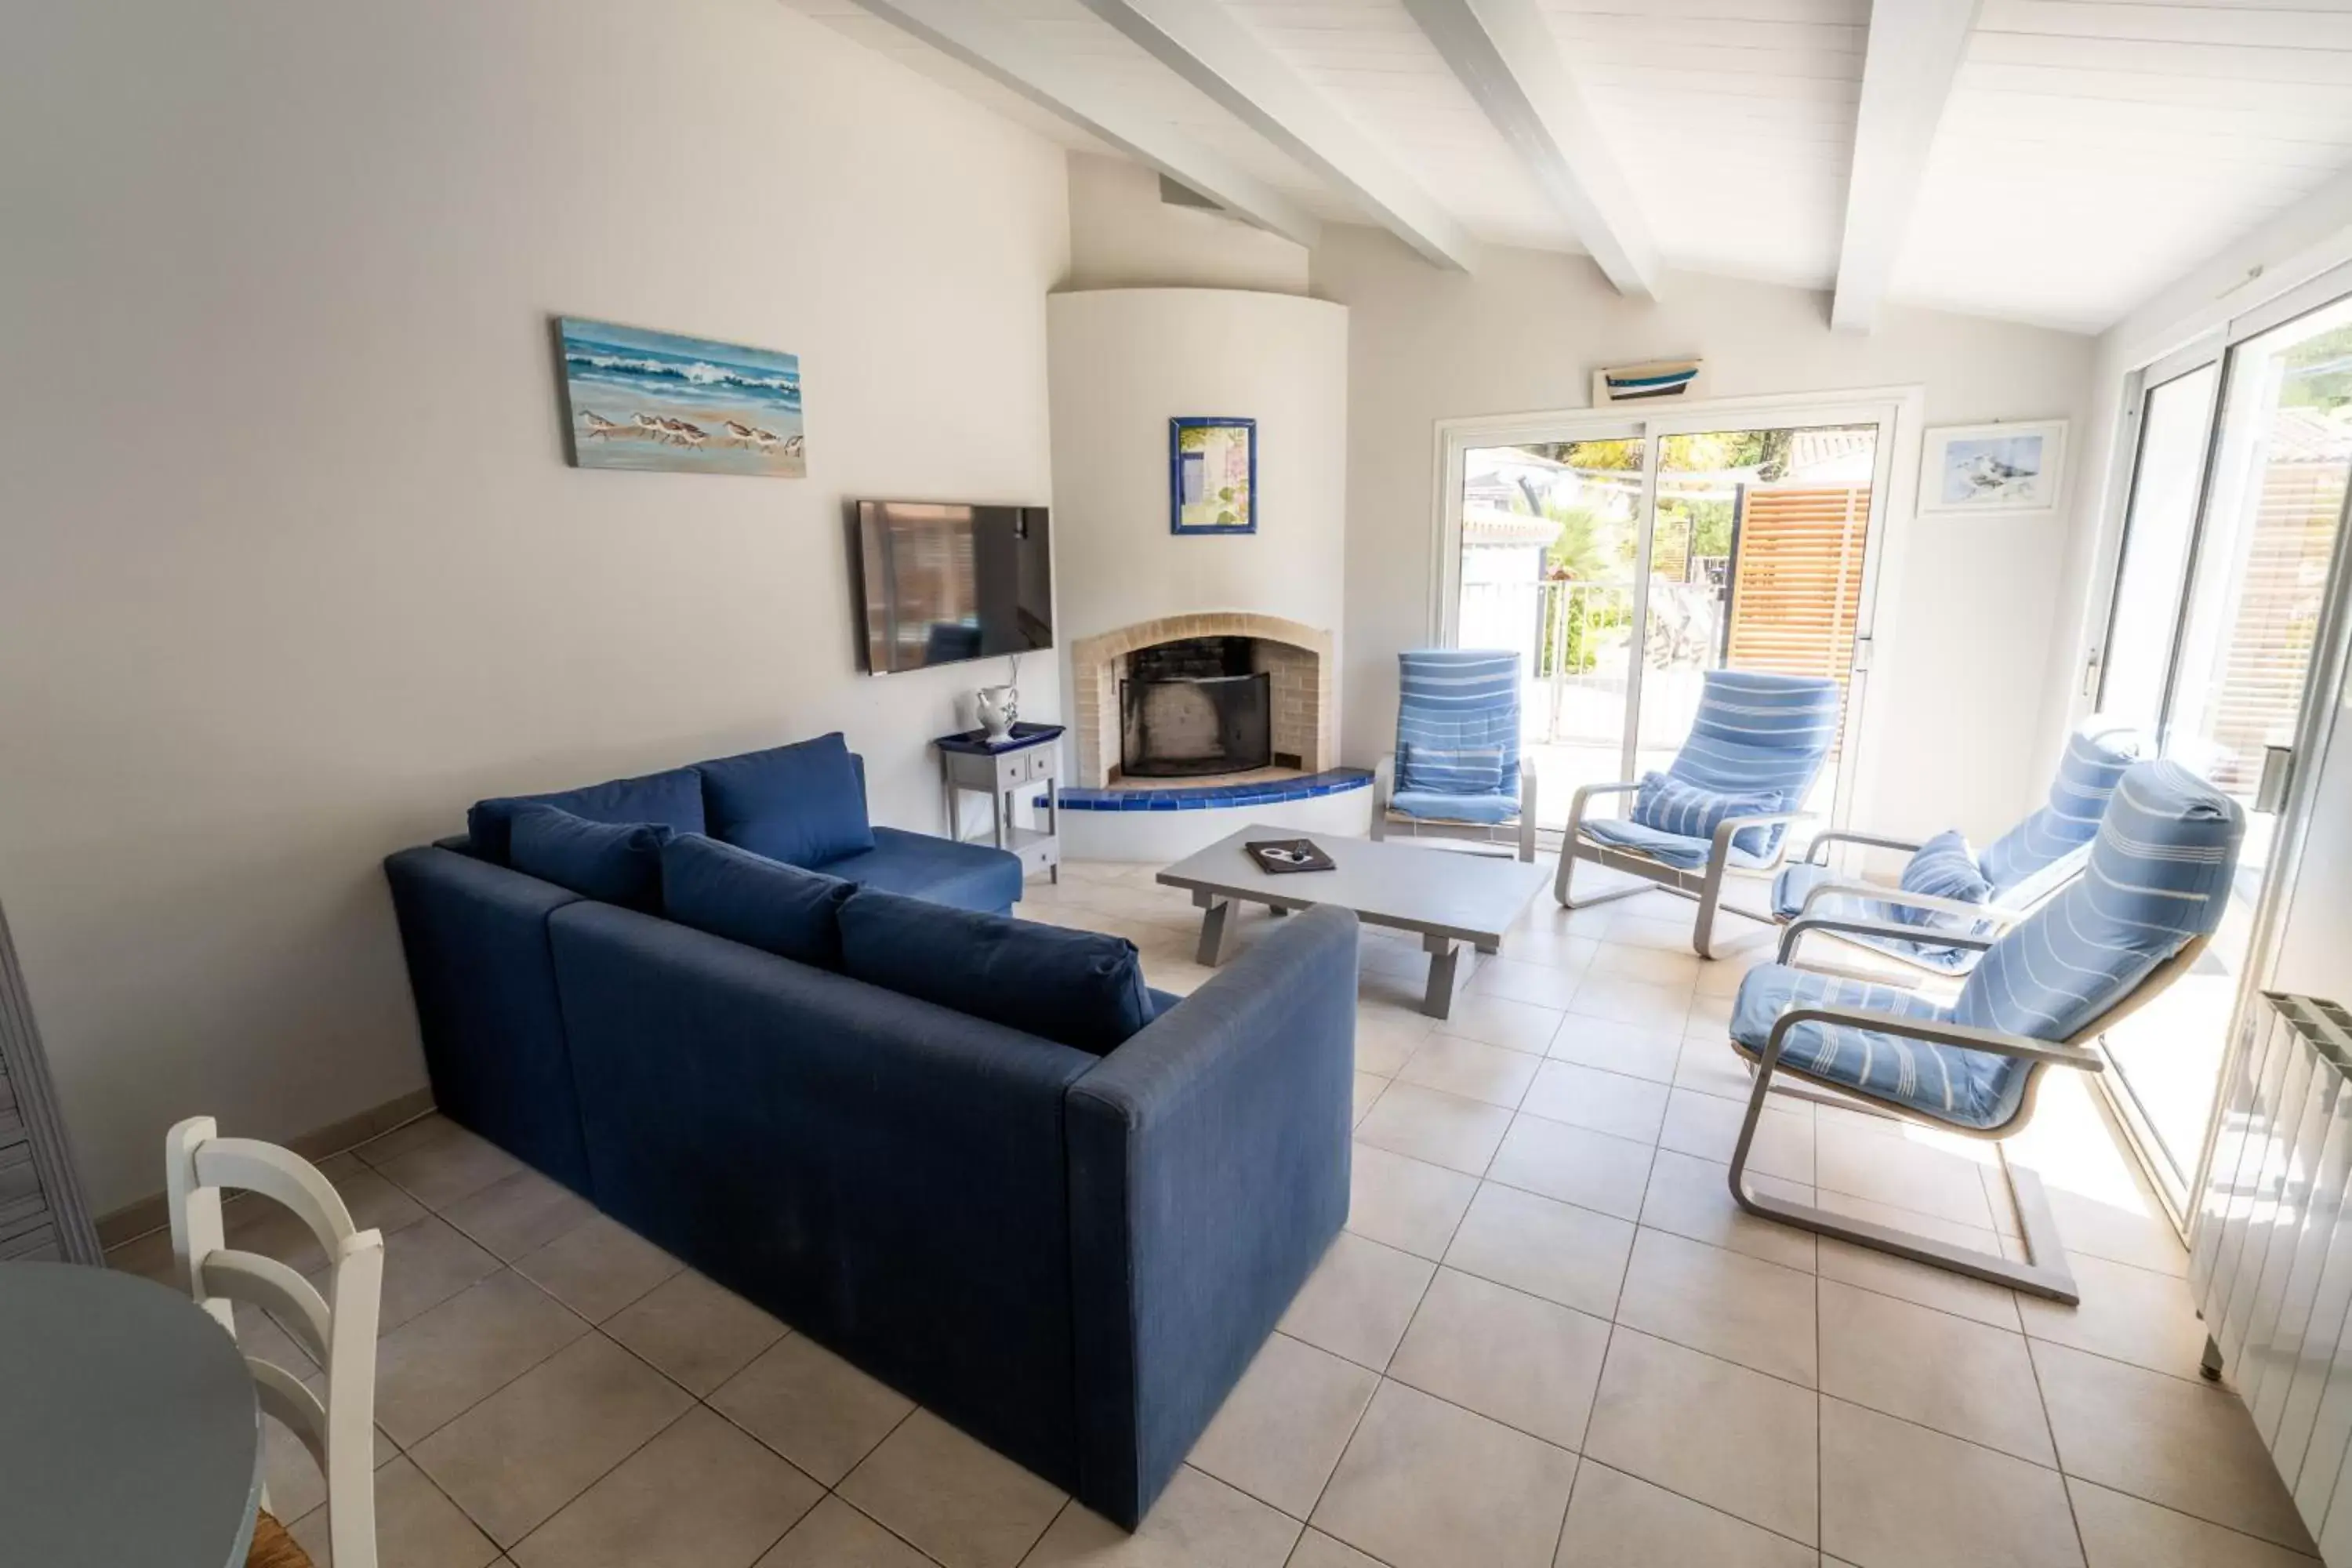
pixel 152 1213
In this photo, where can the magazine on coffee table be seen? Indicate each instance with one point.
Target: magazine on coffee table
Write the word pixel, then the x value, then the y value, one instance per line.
pixel 1276 857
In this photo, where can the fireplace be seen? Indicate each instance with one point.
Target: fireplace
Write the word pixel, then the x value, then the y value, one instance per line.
pixel 1194 706
pixel 1189 696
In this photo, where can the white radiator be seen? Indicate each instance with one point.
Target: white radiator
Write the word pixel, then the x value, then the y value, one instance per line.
pixel 2272 1260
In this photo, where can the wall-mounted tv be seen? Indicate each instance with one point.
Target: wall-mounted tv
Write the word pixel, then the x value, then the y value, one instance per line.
pixel 944 582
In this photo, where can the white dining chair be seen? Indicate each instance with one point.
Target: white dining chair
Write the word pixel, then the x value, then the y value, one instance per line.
pixel 338 1330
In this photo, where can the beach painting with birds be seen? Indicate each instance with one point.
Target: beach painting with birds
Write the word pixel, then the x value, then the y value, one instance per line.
pixel 655 400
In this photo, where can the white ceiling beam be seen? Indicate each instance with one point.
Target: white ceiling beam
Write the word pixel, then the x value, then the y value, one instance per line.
pixel 1201 41
pixel 1505 54
pixel 978 35
pixel 1908 67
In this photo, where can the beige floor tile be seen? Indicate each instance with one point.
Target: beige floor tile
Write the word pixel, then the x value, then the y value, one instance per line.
pixel 1471 1070
pixel 1711 1014
pixel 1660 1007
pixel 1607 1102
pixel 1648 965
pixel 1407 1204
pixel 1564 1254
pixel 1316 1550
pixel 1617 1520
pixel 1709 1127
pixel 1518 980
pixel 1734 1439
pixel 697 1332
pixel 1387 1037
pixel 1961 1378
pixel 2127 1314
pixel 1708 1065
pixel 1667 931
pixel 1916 1282
pixel 1616 1048
pixel 2104 1226
pixel 1893 1493
pixel 836 1535
pixel 1692 1197
pixel 2188 1445
pixel 511 1461
pixel 1515 1026
pixel 1359 1300
pixel 443 1362
pixel 812 1407
pixel 1524 1362
pixel 425 1264
pixel 701 1495
pixel 1425 1484
pixel 147 1256
pixel 1897 1170
pixel 1553 949
pixel 2121 1532
pixel 1282 1428
pixel 373 1202
pixel 440 1167
pixel 1197 1523
pixel 1725 1303
pixel 251 1223
pixel 415 1526
pixel 598 1266
pixel 416 1135
pixel 1442 1128
pixel 519 1213
pixel 1369 1087
pixel 1574 1164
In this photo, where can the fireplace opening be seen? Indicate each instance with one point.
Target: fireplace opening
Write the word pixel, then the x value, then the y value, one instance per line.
pixel 1194 706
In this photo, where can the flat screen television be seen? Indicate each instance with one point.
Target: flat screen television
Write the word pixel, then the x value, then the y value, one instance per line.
pixel 944 582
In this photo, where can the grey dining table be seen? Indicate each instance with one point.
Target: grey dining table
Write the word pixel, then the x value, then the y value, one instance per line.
pixel 129 1432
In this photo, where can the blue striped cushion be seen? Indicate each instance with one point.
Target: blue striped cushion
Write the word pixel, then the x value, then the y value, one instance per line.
pixel 2049 847
pixel 2158 877
pixel 1951 1083
pixel 1943 868
pixel 1794 881
pixel 1457 720
pixel 1758 733
pixel 1687 811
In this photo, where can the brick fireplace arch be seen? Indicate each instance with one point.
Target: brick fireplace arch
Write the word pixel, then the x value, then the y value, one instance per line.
pixel 1298 658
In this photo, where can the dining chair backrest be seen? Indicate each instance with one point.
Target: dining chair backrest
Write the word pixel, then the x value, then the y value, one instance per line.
pixel 337 1331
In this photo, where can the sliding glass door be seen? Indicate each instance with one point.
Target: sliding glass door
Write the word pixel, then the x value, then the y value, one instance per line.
pixel 2230 528
pixel 1622 560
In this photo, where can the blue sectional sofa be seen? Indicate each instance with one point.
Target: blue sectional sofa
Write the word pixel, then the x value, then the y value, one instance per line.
pixel 1070 1254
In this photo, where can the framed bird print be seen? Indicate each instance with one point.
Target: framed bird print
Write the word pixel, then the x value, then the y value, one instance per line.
pixel 1993 468
pixel 637 399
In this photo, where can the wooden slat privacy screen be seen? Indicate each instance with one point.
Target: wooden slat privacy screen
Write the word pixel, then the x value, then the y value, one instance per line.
pixel 2285 578
pixel 1796 588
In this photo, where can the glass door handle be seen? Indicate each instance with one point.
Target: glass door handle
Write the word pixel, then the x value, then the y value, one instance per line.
pixel 2277 778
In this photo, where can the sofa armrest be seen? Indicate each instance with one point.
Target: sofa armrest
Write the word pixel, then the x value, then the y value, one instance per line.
pixel 1208 1173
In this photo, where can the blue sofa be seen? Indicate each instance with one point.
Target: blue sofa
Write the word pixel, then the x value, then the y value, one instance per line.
pixel 1071 1257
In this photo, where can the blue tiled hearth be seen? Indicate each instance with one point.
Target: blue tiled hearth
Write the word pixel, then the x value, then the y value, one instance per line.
pixel 1202 797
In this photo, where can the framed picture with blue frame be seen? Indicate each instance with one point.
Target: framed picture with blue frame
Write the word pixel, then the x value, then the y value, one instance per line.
pixel 1212 476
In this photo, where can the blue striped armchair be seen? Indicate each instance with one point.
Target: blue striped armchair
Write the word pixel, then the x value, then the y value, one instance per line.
pixel 1456 771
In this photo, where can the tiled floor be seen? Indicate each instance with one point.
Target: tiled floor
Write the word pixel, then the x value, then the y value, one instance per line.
pixel 1547 1336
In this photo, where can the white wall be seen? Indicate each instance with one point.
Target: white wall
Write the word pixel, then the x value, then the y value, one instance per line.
pixel 1126 361
pixel 1122 236
pixel 1966 620
pixel 294 568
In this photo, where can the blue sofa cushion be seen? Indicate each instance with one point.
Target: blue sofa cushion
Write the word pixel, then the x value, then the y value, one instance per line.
pixel 618 863
pixel 785 909
pixel 671 800
pixel 1078 988
pixel 923 866
pixel 802 804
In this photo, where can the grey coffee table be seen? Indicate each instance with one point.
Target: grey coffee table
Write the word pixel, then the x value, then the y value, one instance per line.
pixel 1445 897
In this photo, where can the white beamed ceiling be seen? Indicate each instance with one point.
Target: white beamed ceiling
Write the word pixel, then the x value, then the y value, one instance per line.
pixel 2090 152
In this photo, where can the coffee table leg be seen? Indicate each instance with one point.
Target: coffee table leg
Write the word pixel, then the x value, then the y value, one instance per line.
pixel 1437 1001
pixel 1214 914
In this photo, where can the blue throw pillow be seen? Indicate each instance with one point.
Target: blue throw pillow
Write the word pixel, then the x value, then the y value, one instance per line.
pixel 804 805
pixel 1467 770
pixel 783 909
pixel 671 800
pixel 619 863
pixel 1670 806
pixel 1074 987
pixel 1943 868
